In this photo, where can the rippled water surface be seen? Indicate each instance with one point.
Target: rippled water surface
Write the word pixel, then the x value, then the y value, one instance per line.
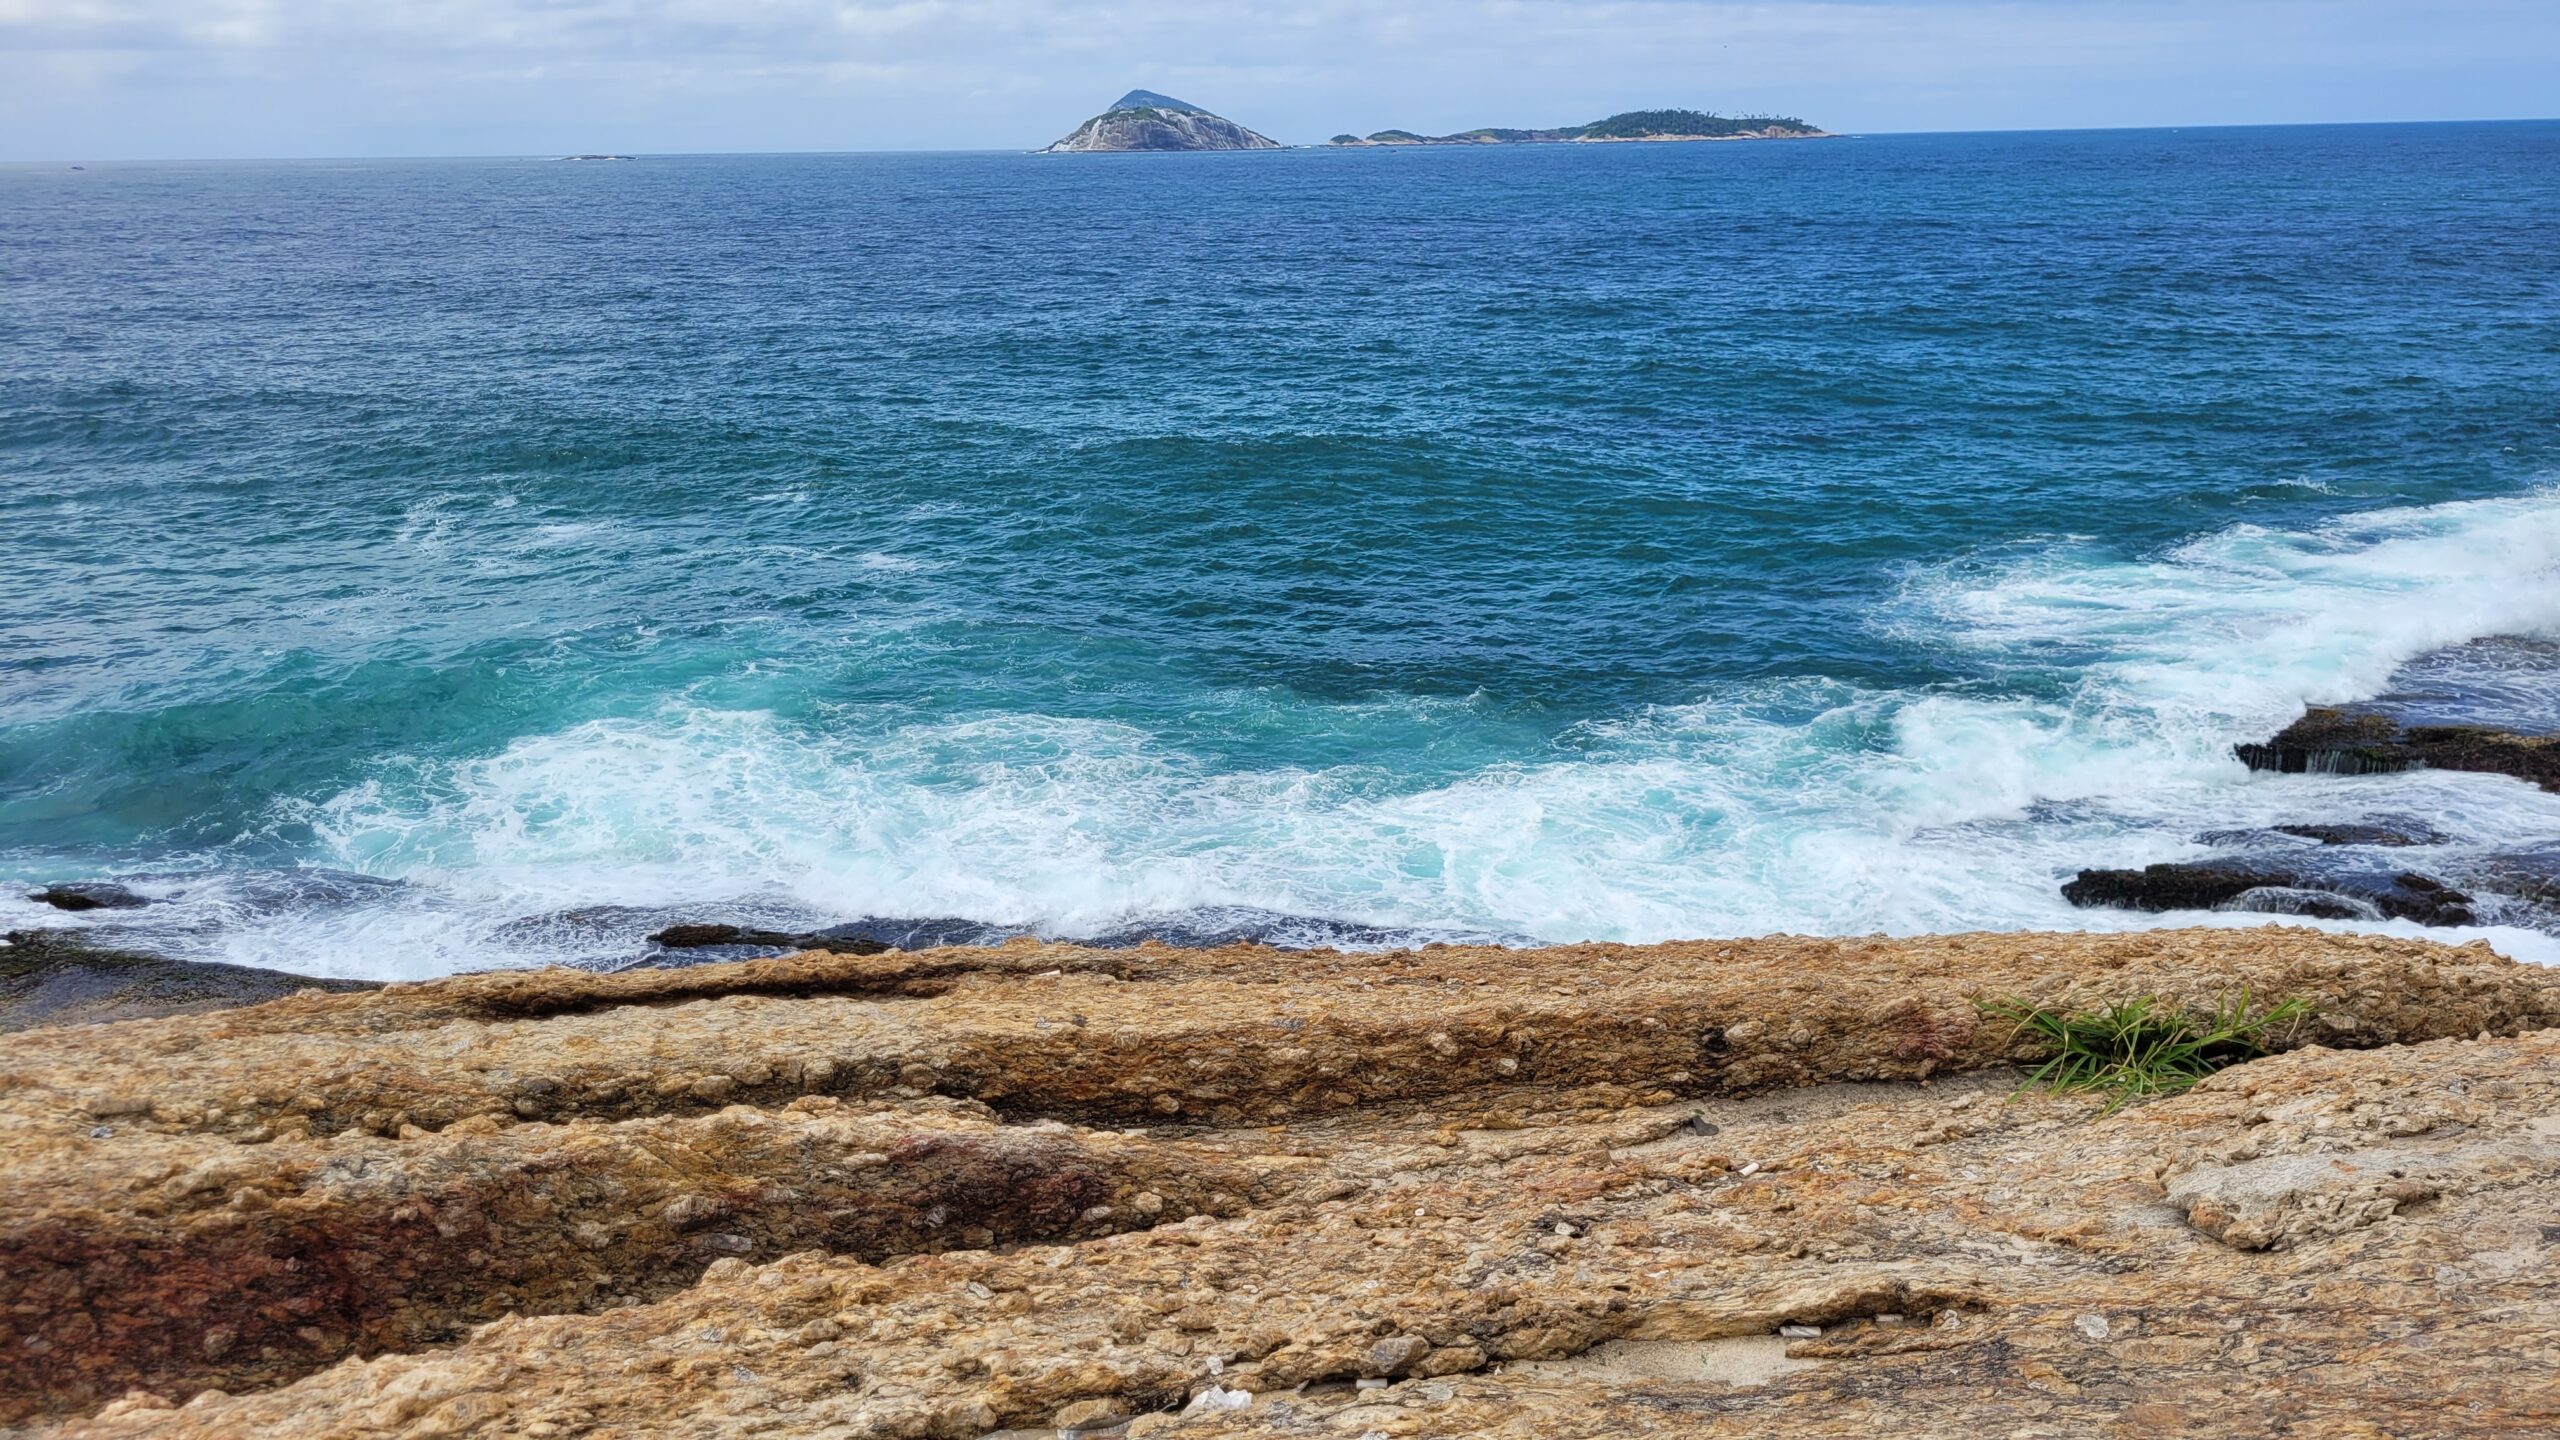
pixel 1542 542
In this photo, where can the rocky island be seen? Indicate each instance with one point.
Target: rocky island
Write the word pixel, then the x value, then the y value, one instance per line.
pixel 1632 125
pixel 1783 1187
pixel 1145 120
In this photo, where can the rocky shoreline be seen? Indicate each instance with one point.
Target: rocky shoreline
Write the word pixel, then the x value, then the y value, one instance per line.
pixel 2362 865
pixel 53 977
pixel 1777 1187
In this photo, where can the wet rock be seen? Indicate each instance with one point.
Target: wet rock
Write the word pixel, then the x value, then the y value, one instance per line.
pixel 2506 682
pixel 89 895
pixel 2345 741
pixel 2395 831
pixel 930 933
pixel 2409 895
pixel 2308 904
pixel 2398 833
pixel 1205 928
pixel 56 977
pixel 2198 885
pixel 2529 875
pixel 1213 926
pixel 2331 741
pixel 699 937
pixel 2280 889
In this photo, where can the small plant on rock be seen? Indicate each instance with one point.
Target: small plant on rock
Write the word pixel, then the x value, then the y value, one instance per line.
pixel 2134 1049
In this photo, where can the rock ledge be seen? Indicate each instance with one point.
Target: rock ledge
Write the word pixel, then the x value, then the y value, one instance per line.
pixel 1777 1187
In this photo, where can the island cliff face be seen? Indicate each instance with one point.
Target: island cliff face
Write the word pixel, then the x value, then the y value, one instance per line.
pixel 1145 120
pixel 1779 1188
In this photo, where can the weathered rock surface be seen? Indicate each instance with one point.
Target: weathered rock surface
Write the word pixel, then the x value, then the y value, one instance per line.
pixel 1575 1192
pixel 89 895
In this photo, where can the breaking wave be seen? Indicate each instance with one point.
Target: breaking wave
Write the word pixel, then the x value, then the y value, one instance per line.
pixel 2092 726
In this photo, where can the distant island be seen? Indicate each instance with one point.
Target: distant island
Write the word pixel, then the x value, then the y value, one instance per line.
pixel 1633 125
pixel 1145 120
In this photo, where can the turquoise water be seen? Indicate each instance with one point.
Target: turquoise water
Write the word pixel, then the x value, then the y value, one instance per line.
pixel 1538 542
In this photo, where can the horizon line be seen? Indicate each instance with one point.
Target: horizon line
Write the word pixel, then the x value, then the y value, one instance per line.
pixel 1326 144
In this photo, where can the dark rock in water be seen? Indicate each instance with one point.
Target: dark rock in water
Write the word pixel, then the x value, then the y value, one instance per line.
pixel 695 937
pixel 612 937
pixel 2332 741
pixel 700 937
pixel 2391 830
pixel 89 895
pixel 2532 876
pixel 1204 928
pixel 2309 904
pixel 2503 682
pixel 2218 884
pixel 2197 886
pixel 52 977
pixel 2530 758
pixel 1211 927
pixel 2408 833
pixel 909 933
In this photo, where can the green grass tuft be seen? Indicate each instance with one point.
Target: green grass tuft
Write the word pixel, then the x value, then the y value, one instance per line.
pixel 2135 1049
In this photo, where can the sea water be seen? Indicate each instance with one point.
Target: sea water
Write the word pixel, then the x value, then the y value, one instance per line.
pixel 423 565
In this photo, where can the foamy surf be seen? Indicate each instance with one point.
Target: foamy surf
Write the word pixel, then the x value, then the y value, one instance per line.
pixel 2097 733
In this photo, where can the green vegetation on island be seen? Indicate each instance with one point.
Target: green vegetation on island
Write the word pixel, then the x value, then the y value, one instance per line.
pixel 1629 125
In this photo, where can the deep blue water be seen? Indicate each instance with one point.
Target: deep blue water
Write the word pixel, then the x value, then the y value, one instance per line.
pixel 1546 542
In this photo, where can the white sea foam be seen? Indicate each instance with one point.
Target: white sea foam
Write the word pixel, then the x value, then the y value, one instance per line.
pixel 2101 737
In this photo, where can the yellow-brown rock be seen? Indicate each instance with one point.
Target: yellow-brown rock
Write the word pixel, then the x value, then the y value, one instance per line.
pixel 1585 1191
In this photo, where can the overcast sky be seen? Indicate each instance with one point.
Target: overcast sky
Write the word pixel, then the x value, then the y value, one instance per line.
pixel 104 79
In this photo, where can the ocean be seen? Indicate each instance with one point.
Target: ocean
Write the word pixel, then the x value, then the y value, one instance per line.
pixel 415 566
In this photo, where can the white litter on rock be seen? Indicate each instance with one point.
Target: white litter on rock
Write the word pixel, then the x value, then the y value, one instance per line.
pixel 1801 1332
pixel 1217 1398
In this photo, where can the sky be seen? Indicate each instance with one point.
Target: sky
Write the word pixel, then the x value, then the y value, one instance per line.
pixel 130 79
